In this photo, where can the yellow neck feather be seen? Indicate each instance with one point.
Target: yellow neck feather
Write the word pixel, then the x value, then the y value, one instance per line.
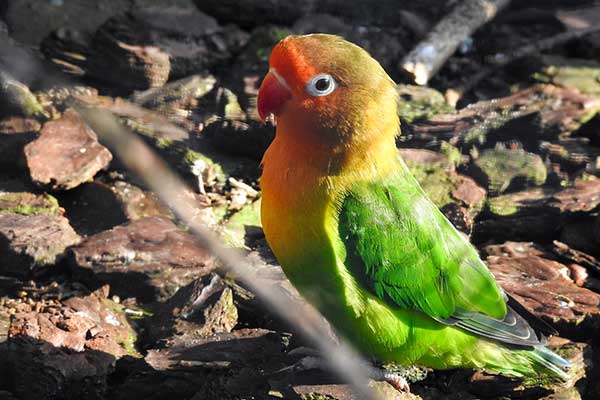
pixel 302 188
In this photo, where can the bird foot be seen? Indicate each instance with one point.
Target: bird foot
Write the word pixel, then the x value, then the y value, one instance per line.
pixel 311 360
pixel 398 381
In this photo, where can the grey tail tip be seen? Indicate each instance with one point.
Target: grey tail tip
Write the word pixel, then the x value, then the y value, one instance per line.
pixel 553 361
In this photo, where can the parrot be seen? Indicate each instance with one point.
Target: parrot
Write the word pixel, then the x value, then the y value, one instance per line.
pixel 359 238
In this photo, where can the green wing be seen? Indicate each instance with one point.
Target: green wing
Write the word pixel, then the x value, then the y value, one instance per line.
pixel 402 248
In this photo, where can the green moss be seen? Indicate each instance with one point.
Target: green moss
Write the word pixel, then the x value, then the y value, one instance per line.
pixel 412 373
pixel 232 109
pixel 28 204
pixel 418 102
pixel 280 33
pixel 585 177
pixel 234 230
pixel 583 75
pixel 142 128
pixel 140 313
pixel 32 108
pixel 163 143
pixel 438 187
pixel 435 173
pixel 452 153
pixel 503 206
pixel 129 341
pixel 478 133
pixel 436 182
pixel 4 325
pixel 220 211
pixel 591 113
pixel 531 201
pixel 17 95
pixel 184 158
pixel 501 166
pixel 266 38
pixel 26 209
pixel 190 157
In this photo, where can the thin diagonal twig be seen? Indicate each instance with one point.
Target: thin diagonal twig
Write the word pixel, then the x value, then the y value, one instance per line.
pixel 140 159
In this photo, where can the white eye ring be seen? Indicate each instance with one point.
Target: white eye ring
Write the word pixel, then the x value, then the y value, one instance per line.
pixel 321 85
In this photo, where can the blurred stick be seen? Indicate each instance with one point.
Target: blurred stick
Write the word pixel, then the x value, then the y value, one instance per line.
pixel 140 159
pixel 16 94
pixel 453 95
pixel 429 55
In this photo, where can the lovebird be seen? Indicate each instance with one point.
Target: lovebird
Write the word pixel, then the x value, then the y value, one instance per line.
pixel 358 237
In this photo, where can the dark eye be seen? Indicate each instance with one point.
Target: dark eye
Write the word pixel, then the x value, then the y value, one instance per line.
pixel 321 85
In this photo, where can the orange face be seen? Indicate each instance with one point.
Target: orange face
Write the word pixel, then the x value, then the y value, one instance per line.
pixel 323 89
pixel 288 76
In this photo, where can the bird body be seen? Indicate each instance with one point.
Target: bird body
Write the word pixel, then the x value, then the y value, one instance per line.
pixel 356 234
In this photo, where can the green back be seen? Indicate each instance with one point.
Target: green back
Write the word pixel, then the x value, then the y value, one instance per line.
pixel 402 248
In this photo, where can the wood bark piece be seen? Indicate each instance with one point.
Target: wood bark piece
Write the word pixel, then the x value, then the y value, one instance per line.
pixel 202 308
pixel 539 114
pixel 139 118
pixel 387 13
pixel 230 350
pixel 576 256
pixel 149 258
pixel 66 154
pixel 436 174
pixel 26 203
pixel 544 213
pixel 27 241
pixel 232 365
pixel 502 60
pixel 544 287
pixel 138 203
pixel 18 125
pixel 583 196
pixel 502 168
pixel 30 21
pixel 344 392
pixel 193 40
pixel 429 55
pixel 527 227
pixel 132 66
pixel 67 351
pixel 149 45
pixel 530 202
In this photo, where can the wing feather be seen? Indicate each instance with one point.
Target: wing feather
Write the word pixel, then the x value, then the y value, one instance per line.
pixel 400 247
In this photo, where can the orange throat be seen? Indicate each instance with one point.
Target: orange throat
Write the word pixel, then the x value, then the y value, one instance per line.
pixel 303 186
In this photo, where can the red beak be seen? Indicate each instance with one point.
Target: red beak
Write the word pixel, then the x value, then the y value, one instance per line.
pixel 273 93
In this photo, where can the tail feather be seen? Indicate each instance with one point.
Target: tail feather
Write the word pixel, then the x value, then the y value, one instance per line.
pixel 536 365
pixel 551 361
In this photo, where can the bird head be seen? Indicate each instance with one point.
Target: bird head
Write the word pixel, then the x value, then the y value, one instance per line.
pixel 329 91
